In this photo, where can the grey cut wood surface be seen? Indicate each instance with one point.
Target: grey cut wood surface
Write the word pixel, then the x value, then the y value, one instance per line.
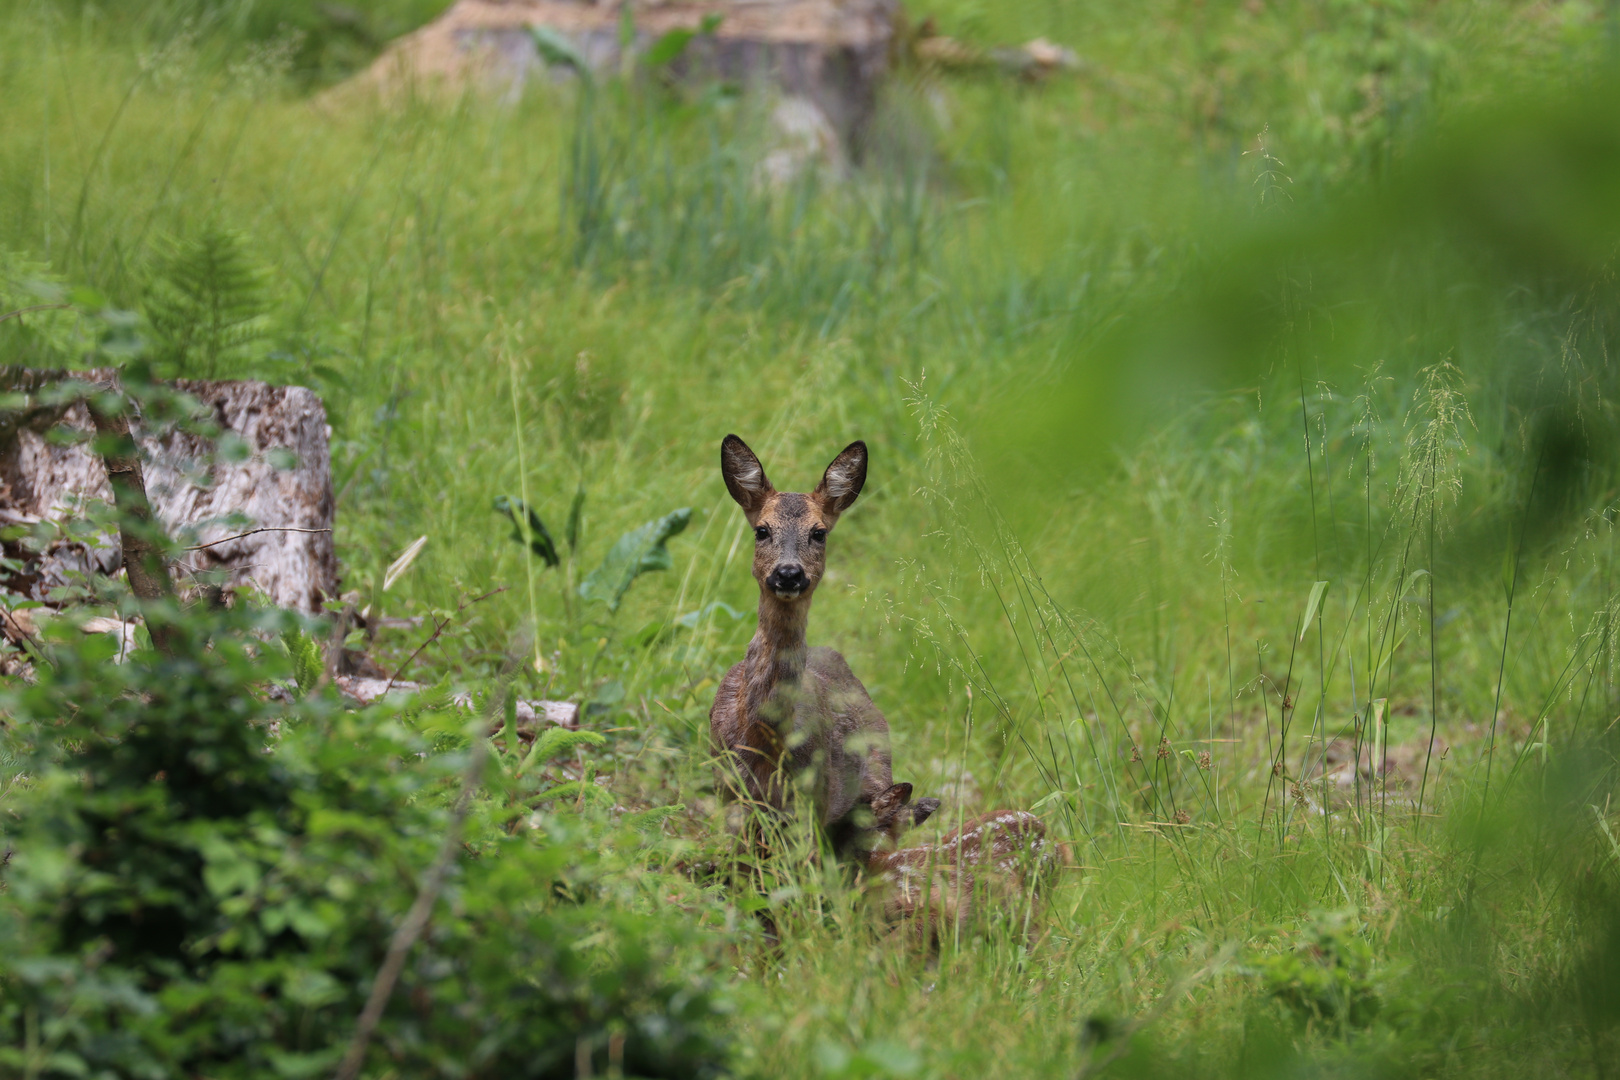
pixel 283 482
pixel 830 53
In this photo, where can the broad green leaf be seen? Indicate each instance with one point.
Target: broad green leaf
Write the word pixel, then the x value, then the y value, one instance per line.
pixel 571 531
pixel 648 634
pixel 528 529
pixel 635 553
pixel 669 47
pixel 607 695
pixel 554 48
pixel 692 619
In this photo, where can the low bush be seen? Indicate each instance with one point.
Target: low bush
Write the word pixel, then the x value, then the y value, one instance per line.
pixel 205 876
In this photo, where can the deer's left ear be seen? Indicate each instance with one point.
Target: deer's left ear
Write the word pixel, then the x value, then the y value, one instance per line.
pixel 843 480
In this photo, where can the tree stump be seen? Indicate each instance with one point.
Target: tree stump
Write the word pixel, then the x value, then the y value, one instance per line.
pixel 830 53
pixel 282 486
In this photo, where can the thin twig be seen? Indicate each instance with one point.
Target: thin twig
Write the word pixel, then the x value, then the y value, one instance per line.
pixel 416 919
pixel 251 532
pixel 438 630
pixel 36 307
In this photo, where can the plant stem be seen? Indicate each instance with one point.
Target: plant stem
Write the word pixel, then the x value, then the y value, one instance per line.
pixel 522 517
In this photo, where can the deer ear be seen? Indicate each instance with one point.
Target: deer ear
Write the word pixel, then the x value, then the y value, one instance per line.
pixel 744 475
pixel 923 809
pixel 888 803
pixel 843 480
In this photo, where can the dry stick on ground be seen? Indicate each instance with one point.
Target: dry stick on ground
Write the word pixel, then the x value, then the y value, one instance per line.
pixel 438 629
pixel 143 559
pixel 416 919
pixel 253 532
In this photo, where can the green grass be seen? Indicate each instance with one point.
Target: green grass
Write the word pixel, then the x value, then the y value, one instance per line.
pixel 494 303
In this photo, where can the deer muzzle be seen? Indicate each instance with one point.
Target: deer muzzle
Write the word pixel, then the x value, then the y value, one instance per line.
pixel 787 581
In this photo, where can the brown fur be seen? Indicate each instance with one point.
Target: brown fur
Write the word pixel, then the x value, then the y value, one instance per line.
pixel 788 711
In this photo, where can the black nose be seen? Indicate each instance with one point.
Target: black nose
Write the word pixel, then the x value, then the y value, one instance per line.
pixel 788 578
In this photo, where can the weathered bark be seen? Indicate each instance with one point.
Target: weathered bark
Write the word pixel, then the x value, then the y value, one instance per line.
pixel 143 558
pixel 285 551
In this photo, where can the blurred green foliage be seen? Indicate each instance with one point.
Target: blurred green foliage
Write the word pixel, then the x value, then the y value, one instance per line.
pixel 315 42
pixel 1489 246
pixel 1328 975
pixel 204 880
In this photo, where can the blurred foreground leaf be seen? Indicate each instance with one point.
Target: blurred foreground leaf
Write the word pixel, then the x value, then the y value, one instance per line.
pixel 1490 246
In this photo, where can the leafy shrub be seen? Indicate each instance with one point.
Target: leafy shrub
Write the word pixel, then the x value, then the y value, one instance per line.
pixel 205 880
pixel 1328 976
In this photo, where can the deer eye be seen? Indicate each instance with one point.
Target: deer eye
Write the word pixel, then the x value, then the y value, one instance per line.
pixel 818 536
pixel 762 532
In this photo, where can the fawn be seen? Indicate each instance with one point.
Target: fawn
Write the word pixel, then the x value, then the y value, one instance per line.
pixel 937 886
pixel 789 713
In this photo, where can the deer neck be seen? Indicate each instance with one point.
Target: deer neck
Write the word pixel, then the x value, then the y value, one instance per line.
pixel 776 657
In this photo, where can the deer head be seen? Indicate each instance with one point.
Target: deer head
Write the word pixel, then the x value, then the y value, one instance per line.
pixel 893 812
pixel 790 529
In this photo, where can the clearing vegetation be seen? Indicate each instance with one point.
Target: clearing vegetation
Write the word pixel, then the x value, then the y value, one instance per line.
pixel 1240 501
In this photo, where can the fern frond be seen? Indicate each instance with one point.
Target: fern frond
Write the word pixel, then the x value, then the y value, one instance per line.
pixel 556 741
pixel 651 820
pixel 575 789
pixel 206 301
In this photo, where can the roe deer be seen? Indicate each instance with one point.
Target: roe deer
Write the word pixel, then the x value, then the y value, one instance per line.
pixel 787 712
pixel 936 887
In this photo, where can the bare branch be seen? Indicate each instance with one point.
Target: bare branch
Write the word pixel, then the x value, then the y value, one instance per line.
pixel 251 532
pixel 36 307
pixel 438 629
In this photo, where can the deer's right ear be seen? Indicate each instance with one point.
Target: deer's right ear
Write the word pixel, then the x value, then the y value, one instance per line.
pixel 744 475
pixel 886 804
